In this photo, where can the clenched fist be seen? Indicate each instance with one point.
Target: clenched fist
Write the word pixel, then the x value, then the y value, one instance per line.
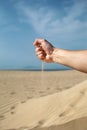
pixel 44 50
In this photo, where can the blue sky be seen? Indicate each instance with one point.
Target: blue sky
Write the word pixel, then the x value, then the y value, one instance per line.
pixel 62 22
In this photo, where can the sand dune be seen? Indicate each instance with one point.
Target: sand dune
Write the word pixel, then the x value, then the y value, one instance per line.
pixel 78 124
pixel 50 112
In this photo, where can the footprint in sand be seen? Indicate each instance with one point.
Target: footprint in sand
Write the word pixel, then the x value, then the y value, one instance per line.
pixel 29 97
pixel 48 88
pixel 12 109
pixel 2 117
pixel 77 100
pixel 12 93
pixel 23 101
pixel 12 112
pixel 82 92
pixel 40 123
pixel 42 95
pixel 41 91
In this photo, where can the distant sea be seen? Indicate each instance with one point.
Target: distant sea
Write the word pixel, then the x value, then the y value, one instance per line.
pixel 34 69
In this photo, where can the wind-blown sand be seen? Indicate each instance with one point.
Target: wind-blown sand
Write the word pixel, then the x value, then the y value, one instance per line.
pixel 58 101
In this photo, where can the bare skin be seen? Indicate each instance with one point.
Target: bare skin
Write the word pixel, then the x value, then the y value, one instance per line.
pixel 46 52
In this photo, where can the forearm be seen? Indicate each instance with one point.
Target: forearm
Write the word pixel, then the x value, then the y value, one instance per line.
pixel 73 59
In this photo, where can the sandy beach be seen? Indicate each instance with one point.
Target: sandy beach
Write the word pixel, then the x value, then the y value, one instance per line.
pixel 50 100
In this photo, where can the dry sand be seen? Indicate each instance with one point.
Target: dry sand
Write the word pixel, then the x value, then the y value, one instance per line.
pixel 43 101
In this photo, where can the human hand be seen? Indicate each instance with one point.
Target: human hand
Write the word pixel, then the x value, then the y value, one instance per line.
pixel 44 50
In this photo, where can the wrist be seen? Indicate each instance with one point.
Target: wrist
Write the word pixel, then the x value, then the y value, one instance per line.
pixel 58 55
pixel 54 54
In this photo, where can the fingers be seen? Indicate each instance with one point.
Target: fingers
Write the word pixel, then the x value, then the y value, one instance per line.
pixel 38 42
pixel 38 49
pixel 40 53
pixel 41 57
